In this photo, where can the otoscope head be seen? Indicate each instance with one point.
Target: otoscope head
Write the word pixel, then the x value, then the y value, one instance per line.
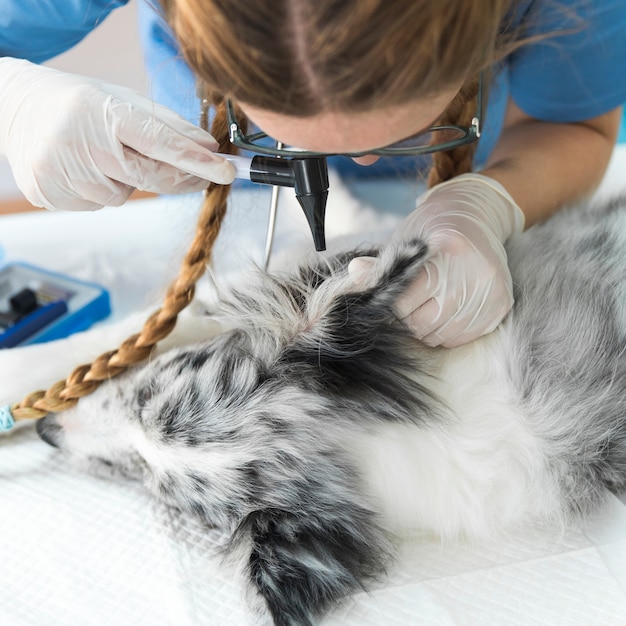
pixel 311 186
pixel 309 177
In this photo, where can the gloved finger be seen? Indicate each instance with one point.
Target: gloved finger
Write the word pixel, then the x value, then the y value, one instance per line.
pixel 179 124
pixel 477 319
pixel 109 193
pixel 421 290
pixel 146 174
pixel 425 320
pixel 82 196
pixel 155 139
pixel 450 336
pixel 68 204
pixel 444 316
pixel 159 111
pixel 453 335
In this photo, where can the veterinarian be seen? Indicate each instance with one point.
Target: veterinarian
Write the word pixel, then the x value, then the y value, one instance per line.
pixel 338 77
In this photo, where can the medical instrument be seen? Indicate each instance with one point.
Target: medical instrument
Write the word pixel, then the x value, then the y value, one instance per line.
pixel 271 221
pixel 307 175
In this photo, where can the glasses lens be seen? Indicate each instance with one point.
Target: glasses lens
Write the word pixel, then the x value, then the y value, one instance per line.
pixel 433 137
pixel 426 141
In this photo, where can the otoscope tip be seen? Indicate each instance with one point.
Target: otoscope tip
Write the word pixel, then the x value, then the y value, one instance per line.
pixel 314 207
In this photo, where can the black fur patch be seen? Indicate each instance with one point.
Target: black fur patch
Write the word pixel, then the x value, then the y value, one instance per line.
pixel 301 563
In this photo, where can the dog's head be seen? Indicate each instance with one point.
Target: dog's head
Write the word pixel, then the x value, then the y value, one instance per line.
pixel 250 429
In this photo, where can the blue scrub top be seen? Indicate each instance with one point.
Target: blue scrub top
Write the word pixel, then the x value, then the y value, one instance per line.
pixel 576 73
pixel 38 30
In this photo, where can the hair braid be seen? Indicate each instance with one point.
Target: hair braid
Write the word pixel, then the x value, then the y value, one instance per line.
pixel 451 163
pixel 86 378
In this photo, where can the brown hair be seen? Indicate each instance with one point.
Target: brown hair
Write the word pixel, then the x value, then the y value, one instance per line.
pixel 302 57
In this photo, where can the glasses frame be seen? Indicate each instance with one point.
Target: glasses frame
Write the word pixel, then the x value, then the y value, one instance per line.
pixel 470 134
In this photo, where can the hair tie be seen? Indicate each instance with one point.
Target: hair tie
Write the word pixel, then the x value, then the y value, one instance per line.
pixel 6 419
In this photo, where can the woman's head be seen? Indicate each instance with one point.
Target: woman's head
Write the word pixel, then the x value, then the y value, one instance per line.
pixel 304 57
pixel 341 75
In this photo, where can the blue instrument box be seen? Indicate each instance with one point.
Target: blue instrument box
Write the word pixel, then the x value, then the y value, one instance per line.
pixel 37 305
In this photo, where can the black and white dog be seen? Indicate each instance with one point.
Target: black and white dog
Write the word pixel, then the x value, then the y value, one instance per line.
pixel 317 430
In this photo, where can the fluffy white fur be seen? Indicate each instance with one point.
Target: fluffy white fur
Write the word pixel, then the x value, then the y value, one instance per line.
pixel 306 420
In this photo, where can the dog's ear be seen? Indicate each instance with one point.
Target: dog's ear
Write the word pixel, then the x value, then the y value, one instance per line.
pixel 350 310
pixel 355 346
pixel 301 563
pixel 382 275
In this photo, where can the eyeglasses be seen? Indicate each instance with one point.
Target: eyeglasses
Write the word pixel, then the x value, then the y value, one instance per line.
pixel 435 139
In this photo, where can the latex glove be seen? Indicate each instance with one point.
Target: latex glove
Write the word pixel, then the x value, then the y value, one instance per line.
pixel 78 143
pixel 465 289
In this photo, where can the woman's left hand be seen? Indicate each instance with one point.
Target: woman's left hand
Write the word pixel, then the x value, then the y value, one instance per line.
pixel 465 289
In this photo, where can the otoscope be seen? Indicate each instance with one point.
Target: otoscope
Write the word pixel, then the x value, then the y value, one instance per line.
pixel 307 175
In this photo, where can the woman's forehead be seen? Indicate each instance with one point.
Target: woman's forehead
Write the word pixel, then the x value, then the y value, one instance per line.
pixel 342 132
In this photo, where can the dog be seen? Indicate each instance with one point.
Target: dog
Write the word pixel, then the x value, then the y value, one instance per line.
pixel 316 430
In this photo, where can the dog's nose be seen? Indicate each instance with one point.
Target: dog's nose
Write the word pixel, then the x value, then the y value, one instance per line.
pixel 49 430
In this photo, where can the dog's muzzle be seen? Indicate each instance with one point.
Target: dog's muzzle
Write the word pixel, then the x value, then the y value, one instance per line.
pixel 49 430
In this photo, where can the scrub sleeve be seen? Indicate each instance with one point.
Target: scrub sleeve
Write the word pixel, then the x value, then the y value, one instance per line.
pixel 38 30
pixel 575 71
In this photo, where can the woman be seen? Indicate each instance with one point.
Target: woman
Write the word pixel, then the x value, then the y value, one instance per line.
pixel 336 76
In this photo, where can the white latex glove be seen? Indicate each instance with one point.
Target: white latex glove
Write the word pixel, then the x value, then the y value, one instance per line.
pixel 465 289
pixel 77 143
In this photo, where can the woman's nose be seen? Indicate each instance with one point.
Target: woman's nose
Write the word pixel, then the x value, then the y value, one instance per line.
pixel 368 159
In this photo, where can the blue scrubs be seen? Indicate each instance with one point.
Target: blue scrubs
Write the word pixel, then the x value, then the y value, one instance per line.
pixel 38 30
pixel 577 73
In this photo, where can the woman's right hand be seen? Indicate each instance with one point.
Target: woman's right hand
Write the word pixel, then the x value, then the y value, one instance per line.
pixel 77 143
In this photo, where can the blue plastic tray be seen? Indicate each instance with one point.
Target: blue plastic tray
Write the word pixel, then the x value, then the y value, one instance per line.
pixel 67 305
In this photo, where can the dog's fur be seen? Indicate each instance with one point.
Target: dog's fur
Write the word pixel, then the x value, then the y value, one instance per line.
pixel 316 428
